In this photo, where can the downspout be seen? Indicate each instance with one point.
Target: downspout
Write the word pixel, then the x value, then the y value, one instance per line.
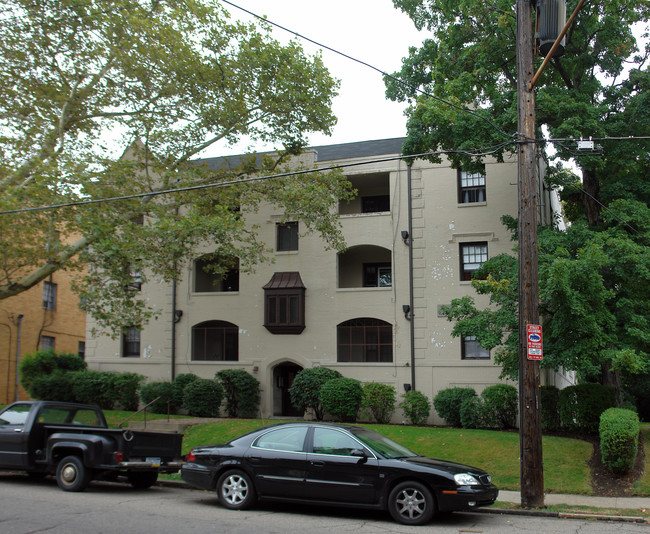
pixel 18 324
pixel 174 321
pixel 410 230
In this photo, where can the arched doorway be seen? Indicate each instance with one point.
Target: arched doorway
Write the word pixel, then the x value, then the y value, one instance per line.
pixel 283 375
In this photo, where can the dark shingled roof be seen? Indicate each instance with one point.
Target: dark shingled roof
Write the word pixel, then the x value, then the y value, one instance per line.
pixel 323 153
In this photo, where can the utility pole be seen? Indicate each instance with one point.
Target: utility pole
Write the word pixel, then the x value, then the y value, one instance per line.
pixel 530 429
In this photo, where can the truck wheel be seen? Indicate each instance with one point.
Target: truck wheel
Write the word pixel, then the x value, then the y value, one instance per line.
pixel 142 479
pixel 235 490
pixel 72 475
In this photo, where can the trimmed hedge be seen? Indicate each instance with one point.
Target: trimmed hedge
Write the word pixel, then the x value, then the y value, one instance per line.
pixel 203 398
pixel 448 402
pixel 305 390
pixel 242 391
pixel 46 362
pixel 550 396
pixel 619 439
pixel 473 412
pixel 107 389
pixel 416 407
pixel 161 395
pixel 178 387
pixel 342 397
pixel 379 401
pixel 501 406
pixel 580 406
pixel 55 387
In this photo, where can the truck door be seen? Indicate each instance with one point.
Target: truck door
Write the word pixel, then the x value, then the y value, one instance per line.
pixel 13 437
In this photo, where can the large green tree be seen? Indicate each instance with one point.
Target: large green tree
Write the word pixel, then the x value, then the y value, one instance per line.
pixel 595 276
pixel 102 99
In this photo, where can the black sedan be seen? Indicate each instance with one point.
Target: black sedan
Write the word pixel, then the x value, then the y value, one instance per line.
pixel 335 465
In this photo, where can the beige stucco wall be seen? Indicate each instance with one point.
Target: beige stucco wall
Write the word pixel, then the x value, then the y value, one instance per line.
pixel 439 225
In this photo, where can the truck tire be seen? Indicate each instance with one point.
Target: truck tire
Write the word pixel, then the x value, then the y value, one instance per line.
pixel 72 474
pixel 142 479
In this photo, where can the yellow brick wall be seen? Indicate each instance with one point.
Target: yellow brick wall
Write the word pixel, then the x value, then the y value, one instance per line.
pixel 66 324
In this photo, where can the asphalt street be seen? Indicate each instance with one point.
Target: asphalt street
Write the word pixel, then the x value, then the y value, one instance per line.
pixel 31 506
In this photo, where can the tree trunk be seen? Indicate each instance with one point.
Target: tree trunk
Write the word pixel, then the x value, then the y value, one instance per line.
pixel 590 196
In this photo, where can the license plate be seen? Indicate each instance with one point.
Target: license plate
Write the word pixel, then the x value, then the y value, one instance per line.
pixel 154 461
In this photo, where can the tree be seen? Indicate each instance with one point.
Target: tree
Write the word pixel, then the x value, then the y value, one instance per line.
pixel 598 88
pixel 594 276
pixel 593 300
pixel 101 99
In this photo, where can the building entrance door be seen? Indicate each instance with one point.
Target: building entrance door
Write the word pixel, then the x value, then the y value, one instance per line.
pixel 283 376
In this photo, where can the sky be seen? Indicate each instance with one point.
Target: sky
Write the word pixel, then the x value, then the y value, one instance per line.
pixel 372 31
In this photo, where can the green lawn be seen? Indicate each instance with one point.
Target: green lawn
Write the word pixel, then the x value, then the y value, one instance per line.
pixel 566 460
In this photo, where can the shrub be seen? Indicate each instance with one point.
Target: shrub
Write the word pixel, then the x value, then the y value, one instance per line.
pixel 242 391
pixel 472 412
pixel 178 387
pixel 160 395
pixel 580 406
pixel 107 388
pixel 202 398
pixel 342 397
pixel 549 396
pixel 127 390
pixel 54 387
pixel 501 405
pixel 379 400
pixel 305 390
pixel 448 401
pixel 416 407
pixel 46 362
pixel 619 439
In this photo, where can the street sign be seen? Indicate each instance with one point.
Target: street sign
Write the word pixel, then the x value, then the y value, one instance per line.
pixel 534 341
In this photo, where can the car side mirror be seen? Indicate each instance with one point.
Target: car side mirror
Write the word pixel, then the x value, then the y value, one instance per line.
pixel 359 453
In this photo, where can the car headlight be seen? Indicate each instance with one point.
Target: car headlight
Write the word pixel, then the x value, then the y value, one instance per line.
pixel 465 479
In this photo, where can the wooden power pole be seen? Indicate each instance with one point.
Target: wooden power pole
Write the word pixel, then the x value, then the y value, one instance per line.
pixel 530 429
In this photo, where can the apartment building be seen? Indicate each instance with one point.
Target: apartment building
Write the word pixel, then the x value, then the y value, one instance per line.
pixel 414 235
pixel 47 316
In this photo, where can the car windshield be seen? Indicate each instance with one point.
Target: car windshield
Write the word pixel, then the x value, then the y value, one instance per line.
pixel 383 445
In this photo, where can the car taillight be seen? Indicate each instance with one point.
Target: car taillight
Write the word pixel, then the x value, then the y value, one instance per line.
pixel 190 457
pixel 119 456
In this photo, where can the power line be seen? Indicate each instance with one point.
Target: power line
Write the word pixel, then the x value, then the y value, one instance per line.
pixel 483 152
pixel 383 73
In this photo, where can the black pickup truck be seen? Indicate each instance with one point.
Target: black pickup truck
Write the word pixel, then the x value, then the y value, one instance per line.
pixel 73 442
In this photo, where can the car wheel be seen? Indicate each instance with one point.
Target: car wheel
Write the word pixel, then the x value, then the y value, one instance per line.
pixel 142 479
pixel 72 475
pixel 411 503
pixel 235 490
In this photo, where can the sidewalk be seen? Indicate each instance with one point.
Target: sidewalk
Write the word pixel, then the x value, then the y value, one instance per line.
pixel 630 503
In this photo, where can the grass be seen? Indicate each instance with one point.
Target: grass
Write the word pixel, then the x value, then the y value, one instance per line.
pixel 566 468
pixel 642 486
pixel 115 417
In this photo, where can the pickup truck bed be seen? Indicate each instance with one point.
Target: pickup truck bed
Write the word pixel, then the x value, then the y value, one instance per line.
pixel 73 442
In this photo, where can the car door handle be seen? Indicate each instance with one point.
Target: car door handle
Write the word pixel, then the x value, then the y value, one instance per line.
pixel 318 464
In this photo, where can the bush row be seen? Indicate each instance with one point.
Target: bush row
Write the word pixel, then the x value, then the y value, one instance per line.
pixel 65 377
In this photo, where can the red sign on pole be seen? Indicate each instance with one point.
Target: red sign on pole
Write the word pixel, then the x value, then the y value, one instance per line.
pixel 534 341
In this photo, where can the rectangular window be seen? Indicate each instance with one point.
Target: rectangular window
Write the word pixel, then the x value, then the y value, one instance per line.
pixel 47 343
pixel 207 281
pixel 472 350
pixel 287 236
pixel 377 275
pixel 81 350
pixel 131 343
pixel 49 296
pixel 471 187
pixel 472 257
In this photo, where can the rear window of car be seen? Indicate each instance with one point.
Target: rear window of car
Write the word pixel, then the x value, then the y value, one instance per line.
pixel 56 415
pixel 283 439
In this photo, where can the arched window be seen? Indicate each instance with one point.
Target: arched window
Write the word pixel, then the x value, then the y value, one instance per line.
pixel 364 340
pixel 215 341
